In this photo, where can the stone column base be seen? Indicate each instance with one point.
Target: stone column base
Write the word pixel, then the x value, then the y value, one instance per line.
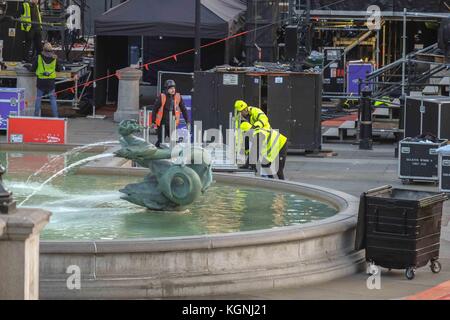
pixel 19 253
pixel 128 97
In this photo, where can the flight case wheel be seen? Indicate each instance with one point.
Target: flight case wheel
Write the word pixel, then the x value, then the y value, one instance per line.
pixel 435 266
pixel 410 273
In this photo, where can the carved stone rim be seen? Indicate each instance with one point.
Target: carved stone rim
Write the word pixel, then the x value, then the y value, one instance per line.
pixel 344 220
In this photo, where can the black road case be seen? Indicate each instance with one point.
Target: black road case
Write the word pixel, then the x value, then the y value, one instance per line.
pixel 10 31
pixel 292 101
pixel 427 114
pixel 334 75
pixel 418 161
pixel 403 228
pixel 444 173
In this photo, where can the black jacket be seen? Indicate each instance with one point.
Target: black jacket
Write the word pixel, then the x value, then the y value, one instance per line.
pixel 45 85
pixel 169 107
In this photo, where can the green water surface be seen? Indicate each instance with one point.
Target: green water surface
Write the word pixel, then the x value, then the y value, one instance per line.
pixel 88 207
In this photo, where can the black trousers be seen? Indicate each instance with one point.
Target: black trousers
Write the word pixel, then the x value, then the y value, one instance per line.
pixel 33 37
pixel 159 133
pixel 281 163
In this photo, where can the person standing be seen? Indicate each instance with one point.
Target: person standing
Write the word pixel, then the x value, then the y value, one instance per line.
pixel 31 25
pixel 166 104
pixel 46 65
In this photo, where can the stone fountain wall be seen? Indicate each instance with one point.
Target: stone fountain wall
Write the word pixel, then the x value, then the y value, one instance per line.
pixel 212 264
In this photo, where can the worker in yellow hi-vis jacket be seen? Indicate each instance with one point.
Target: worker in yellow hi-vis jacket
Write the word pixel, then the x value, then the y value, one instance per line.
pixel 269 145
pixel 31 24
pixel 255 116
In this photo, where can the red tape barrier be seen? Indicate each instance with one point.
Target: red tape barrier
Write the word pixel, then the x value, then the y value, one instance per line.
pixel 146 65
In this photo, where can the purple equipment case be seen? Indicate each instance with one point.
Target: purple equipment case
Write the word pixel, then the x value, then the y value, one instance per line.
pixel 12 101
pixel 356 71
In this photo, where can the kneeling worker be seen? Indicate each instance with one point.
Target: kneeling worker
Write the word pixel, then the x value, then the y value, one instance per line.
pixel 269 146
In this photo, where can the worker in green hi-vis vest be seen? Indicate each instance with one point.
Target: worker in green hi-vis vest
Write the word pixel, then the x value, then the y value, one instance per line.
pixel 45 66
pixel 31 25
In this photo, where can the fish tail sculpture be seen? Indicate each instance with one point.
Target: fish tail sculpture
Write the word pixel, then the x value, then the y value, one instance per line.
pixel 170 185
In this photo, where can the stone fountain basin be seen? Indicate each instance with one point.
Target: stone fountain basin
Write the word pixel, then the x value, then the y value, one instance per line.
pixel 218 264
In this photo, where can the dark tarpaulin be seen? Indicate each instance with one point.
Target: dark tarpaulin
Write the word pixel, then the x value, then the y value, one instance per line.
pixel 171 18
pixel 155 48
pixel 431 6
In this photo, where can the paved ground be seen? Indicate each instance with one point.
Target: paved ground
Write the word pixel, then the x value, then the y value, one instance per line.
pixel 352 171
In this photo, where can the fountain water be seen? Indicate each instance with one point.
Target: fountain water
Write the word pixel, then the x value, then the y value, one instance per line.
pixel 73 165
pixel 70 153
pixel 243 234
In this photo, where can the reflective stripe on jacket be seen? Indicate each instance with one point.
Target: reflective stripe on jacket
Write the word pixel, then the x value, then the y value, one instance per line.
pixel 258 118
pixel 176 106
pixel 272 144
pixel 25 19
pixel 39 16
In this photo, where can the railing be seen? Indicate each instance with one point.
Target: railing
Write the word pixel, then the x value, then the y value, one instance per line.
pixel 392 81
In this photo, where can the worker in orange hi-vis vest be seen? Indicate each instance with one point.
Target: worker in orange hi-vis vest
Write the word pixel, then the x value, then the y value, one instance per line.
pixel 169 102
